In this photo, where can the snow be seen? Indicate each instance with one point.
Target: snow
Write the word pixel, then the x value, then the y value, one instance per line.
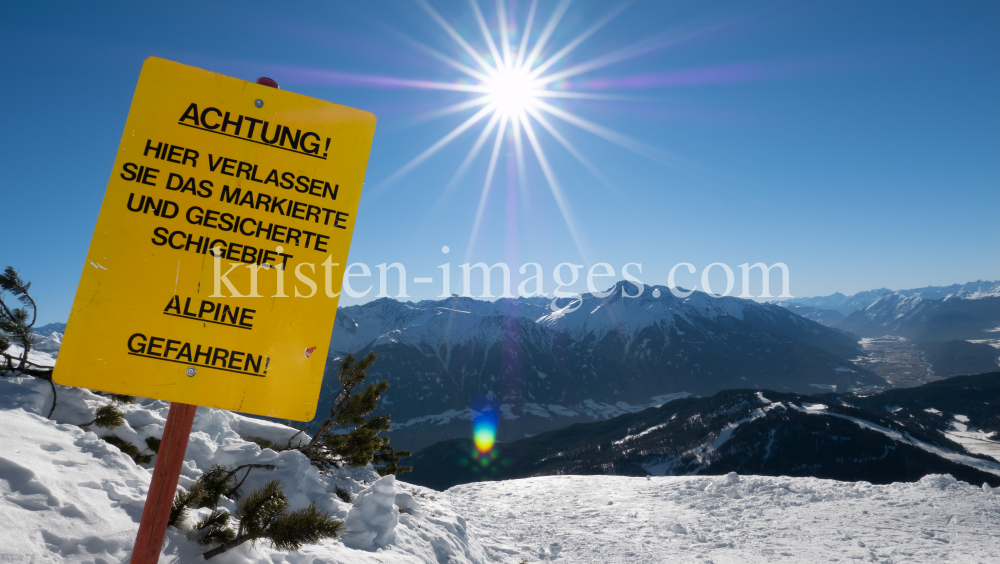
pixel 67 496
pixel 64 493
pixel 371 523
pixel 732 519
pixel 643 433
pixel 973 440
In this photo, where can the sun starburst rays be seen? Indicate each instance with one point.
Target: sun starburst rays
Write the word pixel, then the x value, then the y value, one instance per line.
pixel 509 82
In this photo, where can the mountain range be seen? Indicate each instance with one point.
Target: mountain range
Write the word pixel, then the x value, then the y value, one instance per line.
pixel 951 329
pixel 546 369
pixel 846 305
pixel 892 436
pixel 958 316
pixel 613 355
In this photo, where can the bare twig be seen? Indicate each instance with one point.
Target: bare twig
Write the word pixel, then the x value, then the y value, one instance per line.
pixel 249 467
pixel 35 364
pixel 328 422
pixel 41 371
pixel 289 445
pixel 53 408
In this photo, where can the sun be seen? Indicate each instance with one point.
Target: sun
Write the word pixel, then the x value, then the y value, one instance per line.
pixel 519 87
pixel 512 90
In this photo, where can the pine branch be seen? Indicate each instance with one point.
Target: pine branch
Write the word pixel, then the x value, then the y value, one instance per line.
pixel 264 515
pixel 106 416
pixel 216 527
pixel 6 310
pixel 128 448
pixel 305 526
pixel 15 321
pixel 179 510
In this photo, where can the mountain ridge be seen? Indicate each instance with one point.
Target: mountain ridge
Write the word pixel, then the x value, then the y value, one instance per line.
pixel 896 435
pixel 542 367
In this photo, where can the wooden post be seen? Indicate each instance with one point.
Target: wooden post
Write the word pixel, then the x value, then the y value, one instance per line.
pixel 163 486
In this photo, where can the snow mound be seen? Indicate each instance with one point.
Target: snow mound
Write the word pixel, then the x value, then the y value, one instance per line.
pixel 66 495
pixel 372 521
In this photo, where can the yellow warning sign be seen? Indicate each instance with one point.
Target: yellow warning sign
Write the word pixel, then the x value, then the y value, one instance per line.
pixel 214 271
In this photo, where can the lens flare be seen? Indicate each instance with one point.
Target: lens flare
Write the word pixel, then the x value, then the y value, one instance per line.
pixel 484 435
pixel 485 417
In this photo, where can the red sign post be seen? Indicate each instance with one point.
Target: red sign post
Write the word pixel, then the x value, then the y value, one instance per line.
pixel 163 486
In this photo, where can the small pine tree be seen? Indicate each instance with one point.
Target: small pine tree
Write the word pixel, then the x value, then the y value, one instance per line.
pixel 351 410
pixel 14 325
pixel 264 515
pixel 16 329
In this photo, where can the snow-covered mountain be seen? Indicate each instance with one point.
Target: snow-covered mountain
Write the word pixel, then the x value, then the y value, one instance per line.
pixel 965 315
pixel 897 435
pixel 48 329
pixel 611 355
pixel 828 317
pixel 846 305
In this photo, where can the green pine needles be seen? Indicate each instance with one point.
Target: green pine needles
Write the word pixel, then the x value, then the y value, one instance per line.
pixel 214 483
pixel 15 328
pixel 351 411
pixel 107 416
pixel 262 515
pixel 129 449
pixel 14 322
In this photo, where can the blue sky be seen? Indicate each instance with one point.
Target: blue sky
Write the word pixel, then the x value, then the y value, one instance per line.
pixel 857 142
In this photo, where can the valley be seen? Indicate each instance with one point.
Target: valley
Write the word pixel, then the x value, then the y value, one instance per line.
pixel 897 360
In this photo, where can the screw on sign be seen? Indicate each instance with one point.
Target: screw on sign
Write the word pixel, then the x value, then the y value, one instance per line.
pixel 231 351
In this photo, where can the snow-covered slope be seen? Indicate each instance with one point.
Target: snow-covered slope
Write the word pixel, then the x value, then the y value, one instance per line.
pixel 67 496
pixel 734 519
